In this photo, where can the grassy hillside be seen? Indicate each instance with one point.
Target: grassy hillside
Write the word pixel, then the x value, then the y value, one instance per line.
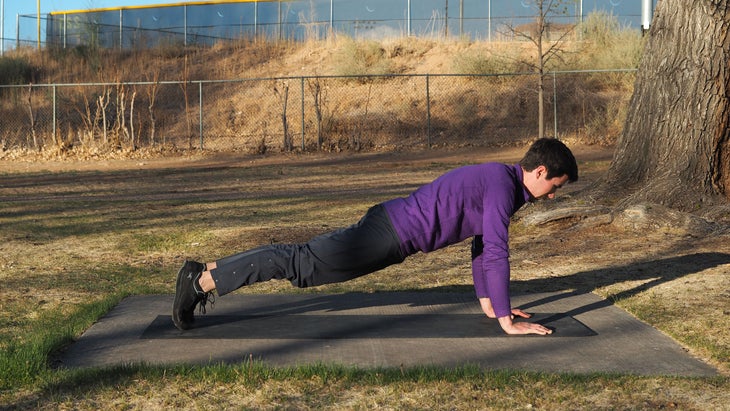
pixel 345 114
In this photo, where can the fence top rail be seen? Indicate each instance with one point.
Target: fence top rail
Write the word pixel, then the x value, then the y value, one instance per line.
pixel 146 6
pixel 301 78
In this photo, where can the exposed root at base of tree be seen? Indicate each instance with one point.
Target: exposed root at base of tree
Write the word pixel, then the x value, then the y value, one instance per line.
pixel 638 217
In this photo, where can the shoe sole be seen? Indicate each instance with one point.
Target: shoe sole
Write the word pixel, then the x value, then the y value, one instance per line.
pixel 181 325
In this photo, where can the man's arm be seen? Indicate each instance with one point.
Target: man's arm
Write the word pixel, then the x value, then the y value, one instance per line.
pixel 494 270
pixel 486 304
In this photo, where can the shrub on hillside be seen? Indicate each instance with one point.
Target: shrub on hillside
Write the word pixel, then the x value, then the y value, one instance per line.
pixel 487 63
pixel 356 58
pixel 607 45
pixel 16 71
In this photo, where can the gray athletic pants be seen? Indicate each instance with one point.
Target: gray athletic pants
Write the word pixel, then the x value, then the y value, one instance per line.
pixel 368 246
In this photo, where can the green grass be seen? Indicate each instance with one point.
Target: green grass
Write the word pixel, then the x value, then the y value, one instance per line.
pixel 166 242
pixel 24 361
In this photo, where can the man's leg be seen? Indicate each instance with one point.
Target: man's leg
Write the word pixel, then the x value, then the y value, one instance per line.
pixel 360 249
pixel 363 248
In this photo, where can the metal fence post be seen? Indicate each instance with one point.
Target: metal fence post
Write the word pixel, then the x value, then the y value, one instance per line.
pixel 302 90
pixel 200 112
pixel 65 36
pixel 121 30
pixel 332 16
pixel 428 111
pixel 53 126
pixel 489 20
pixel 281 34
pixel 408 18
pixel 555 107
pixel 2 27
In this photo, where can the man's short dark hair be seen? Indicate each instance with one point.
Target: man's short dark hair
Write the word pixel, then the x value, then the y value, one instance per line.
pixel 554 155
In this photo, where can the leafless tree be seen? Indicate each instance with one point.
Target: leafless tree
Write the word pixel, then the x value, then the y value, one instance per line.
pixel 541 35
pixel 151 96
pixel 283 94
pixel 184 87
pixel 315 86
pixel 31 114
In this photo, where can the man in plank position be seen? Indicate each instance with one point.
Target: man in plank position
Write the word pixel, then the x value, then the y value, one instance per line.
pixel 471 201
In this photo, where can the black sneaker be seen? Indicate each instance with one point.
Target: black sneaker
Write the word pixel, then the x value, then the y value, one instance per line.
pixel 188 294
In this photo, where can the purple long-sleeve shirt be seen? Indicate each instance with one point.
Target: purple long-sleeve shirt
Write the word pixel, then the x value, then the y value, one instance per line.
pixel 465 202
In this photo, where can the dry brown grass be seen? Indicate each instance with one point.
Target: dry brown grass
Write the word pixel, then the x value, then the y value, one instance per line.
pixel 78 232
pixel 316 393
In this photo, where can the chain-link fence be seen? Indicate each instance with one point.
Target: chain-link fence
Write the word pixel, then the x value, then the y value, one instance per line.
pixel 210 22
pixel 312 113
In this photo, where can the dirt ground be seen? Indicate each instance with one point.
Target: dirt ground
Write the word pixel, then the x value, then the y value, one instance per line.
pixel 670 269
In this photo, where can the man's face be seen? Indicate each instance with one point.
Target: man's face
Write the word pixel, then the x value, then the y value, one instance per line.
pixel 544 187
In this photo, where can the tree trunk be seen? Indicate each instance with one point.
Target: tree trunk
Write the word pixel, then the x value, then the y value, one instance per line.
pixel 675 146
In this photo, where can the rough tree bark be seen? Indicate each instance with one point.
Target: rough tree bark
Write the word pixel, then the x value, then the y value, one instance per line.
pixel 675 146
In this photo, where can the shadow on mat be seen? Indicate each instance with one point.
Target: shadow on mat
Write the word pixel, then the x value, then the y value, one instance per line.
pixel 659 271
pixel 443 300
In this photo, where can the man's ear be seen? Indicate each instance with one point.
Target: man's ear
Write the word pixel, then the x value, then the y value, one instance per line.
pixel 540 171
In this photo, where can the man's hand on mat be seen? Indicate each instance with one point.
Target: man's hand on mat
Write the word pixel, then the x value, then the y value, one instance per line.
pixel 489 311
pixel 516 312
pixel 522 327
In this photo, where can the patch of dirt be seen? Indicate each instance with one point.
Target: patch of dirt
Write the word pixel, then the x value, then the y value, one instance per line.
pixel 35 163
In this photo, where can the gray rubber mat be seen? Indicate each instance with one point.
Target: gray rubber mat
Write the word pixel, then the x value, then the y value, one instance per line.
pixel 389 329
pixel 332 327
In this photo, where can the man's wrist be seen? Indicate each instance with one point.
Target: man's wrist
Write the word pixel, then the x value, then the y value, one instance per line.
pixel 505 322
